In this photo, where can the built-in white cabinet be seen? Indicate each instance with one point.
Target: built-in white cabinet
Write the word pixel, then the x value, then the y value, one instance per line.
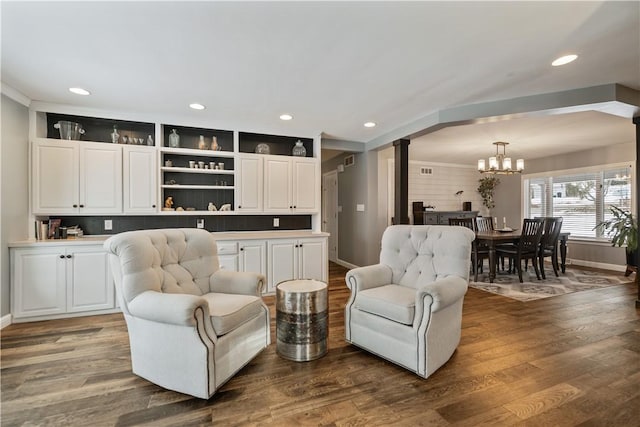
pixel 290 184
pixel 140 183
pixel 278 259
pixel 249 189
pixel 296 259
pixel 71 178
pixel 53 281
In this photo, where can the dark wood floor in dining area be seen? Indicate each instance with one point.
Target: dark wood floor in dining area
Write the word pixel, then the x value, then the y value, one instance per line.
pixel 563 361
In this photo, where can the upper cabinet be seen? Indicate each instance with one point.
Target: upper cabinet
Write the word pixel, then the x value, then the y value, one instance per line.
pixel 98 166
pixel 73 178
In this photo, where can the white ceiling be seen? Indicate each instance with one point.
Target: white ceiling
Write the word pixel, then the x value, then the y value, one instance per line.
pixel 332 65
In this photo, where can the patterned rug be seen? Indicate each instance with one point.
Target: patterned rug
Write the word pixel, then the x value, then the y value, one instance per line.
pixel 574 280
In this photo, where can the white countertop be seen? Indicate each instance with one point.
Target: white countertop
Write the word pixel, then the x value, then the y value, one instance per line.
pixel 227 235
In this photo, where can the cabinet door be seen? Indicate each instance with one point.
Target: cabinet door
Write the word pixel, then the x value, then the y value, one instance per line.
pixel 249 187
pixel 277 184
pixel 282 264
pixel 55 177
pixel 38 283
pixel 90 286
pixel 140 172
pixel 312 258
pixel 253 256
pixel 305 185
pixel 100 178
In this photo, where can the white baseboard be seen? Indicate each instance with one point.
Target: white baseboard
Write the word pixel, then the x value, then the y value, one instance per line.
pixel 346 264
pixel 601 265
pixel 5 321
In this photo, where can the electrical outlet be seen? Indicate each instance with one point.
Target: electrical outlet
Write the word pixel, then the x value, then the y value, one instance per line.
pixel 360 207
pixel 200 223
pixel 276 222
pixel 108 224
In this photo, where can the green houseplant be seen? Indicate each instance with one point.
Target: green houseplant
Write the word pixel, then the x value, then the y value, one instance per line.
pixel 623 229
pixel 486 188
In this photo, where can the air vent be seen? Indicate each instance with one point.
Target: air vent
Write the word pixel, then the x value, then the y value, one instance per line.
pixel 426 171
pixel 349 160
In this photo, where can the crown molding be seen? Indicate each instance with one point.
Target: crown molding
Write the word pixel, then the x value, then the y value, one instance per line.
pixel 15 95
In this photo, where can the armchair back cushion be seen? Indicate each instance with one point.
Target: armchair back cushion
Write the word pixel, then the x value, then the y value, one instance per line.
pixel 420 255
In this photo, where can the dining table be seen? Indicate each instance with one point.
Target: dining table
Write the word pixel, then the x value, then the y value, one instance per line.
pixel 493 238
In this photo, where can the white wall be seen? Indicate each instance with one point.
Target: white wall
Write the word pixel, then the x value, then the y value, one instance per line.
pixel 14 186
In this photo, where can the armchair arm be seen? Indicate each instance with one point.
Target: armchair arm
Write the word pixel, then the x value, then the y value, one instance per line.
pixel 443 293
pixel 233 282
pixel 175 309
pixel 368 277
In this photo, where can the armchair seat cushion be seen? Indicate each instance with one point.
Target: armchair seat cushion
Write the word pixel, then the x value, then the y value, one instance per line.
pixel 394 302
pixel 228 311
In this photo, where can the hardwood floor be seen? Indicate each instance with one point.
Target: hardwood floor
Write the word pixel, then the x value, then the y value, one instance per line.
pixel 565 361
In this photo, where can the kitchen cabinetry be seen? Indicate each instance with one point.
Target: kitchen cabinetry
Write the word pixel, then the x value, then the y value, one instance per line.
pixel 249 189
pixel 243 255
pixel 76 178
pixel 56 281
pixel 296 259
pixel 290 185
pixel 140 183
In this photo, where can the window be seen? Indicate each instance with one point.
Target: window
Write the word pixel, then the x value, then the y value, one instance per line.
pixel 582 197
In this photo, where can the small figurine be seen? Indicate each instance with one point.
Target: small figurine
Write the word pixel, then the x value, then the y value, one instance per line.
pixel 212 207
pixel 168 203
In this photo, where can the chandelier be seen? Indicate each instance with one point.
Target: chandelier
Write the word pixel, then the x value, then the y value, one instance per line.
pixel 500 164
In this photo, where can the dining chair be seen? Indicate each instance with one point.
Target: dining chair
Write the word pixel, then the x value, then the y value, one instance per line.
pixel 526 247
pixel 477 254
pixel 484 223
pixel 549 243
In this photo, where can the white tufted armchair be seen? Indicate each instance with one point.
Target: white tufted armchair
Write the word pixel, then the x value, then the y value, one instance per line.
pixel 191 325
pixel 408 308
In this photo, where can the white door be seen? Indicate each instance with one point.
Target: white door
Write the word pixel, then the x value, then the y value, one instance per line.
pixel 282 265
pixel 90 286
pixel 38 283
pixel 330 212
pixel 312 258
pixel 305 192
pixel 140 172
pixel 253 256
pixel 55 178
pixel 249 187
pixel 277 184
pixel 100 178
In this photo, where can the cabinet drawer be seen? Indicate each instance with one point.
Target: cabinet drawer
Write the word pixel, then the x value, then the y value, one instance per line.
pixel 226 248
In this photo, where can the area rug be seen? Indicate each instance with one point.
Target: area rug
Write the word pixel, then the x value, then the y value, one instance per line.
pixel 574 280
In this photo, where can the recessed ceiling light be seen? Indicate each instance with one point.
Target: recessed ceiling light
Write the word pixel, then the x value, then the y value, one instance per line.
pixel 79 91
pixel 564 60
pixel 369 125
pixel 286 117
pixel 197 106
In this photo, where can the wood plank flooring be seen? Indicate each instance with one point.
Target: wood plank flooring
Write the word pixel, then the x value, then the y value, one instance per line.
pixel 571 360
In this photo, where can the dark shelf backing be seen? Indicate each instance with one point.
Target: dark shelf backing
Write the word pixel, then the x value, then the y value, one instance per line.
pixel 190 137
pixel 99 129
pixel 279 145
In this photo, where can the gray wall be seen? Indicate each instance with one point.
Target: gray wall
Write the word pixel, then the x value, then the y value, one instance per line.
pixel 358 238
pixel 14 186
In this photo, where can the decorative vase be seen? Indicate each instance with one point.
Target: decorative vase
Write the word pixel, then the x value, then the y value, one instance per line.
pixel 214 144
pixel 201 144
pixel 299 150
pixel 174 139
pixel 115 136
pixel 149 140
pixel 262 148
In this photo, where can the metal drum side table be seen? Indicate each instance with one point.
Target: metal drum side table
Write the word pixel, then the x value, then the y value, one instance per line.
pixel 302 316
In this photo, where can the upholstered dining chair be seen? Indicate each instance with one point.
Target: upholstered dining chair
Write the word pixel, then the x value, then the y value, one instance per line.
pixel 549 243
pixel 408 307
pixel 191 325
pixel 527 246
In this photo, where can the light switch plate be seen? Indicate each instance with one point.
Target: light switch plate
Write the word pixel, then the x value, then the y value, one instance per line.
pixel 360 207
pixel 200 223
pixel 276 222
pixel 108 224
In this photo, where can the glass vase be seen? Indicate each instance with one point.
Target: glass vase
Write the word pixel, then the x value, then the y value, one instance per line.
pixel 299 150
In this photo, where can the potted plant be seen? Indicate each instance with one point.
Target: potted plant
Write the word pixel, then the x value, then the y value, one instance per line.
pixel 623 229
pixel 486 188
